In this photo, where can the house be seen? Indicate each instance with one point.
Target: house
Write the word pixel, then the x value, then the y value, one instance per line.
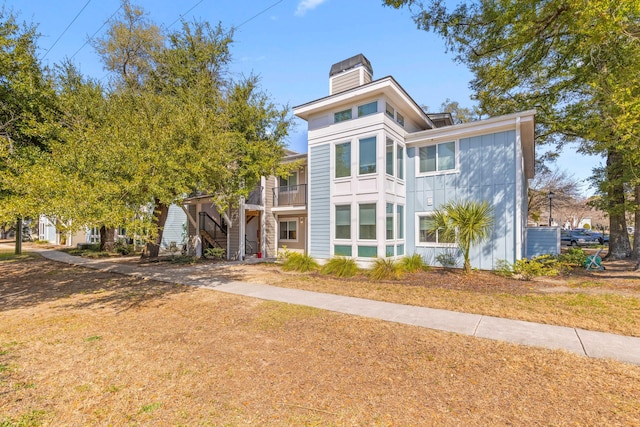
pixel 378 167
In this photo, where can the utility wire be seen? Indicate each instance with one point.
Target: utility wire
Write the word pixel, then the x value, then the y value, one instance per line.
pixel 65 30
pixel 97 31
pixel 186 13
pixel 259 13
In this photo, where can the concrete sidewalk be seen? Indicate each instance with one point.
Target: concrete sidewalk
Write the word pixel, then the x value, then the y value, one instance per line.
pixel 579 341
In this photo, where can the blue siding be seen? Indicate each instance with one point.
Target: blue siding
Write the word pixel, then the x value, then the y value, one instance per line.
pixel 319 202
pixel 174 226
pixel 542 240
pixel 487 172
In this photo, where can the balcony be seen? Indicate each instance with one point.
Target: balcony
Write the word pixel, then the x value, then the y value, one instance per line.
pixel 255 197
pixel 293 195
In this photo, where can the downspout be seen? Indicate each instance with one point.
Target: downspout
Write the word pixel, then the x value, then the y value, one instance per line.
pixel 518 192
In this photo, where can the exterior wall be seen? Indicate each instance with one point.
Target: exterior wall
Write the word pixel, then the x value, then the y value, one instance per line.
pixel 542 240
pixel 234 234
pixel 487 171
pixel 300 243
pixel 319 207
pixel 174 230
pixel 270 220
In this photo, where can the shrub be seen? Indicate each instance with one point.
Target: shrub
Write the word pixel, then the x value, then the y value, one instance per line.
pixel 386 269
pixel 413 263
pixel 447 259
pixel 573 257
pixel 543 265
pixel 122 247
pixel 340 267
pixel 299 262
pixel 503 268
pixel 215 253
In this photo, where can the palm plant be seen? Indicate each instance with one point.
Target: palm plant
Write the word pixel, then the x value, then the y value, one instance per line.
pixel 467 223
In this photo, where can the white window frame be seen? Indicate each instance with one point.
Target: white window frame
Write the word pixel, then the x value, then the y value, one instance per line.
pixel 361 239
pixel 342 240
pixel 456 168
pixel 335 160
pixel 377 166
pixel 288 220
pixel 429 244
pixel 364 105
pixel 342 111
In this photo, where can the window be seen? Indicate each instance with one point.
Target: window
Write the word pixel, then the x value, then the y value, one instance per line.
pixel 367 218
pixel 400 119
pixel 343 160
pixel 389 157
pixel 389 250
pixel 343 222
pixel 341 116
pixel 426 235
pixel 342 250
pixel 400 221
pixel 367 251
pixel 366 109
pixel 367 156
pixel 440 157
pixel 288 230
pixel 400 162
pixel 400 250
pixel 290 181
pixel 390 223
pixel 390 111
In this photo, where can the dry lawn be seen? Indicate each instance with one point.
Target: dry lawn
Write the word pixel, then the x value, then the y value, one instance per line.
pixel 80 347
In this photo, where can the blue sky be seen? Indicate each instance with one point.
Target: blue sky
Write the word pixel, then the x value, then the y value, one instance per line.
pixel 290 44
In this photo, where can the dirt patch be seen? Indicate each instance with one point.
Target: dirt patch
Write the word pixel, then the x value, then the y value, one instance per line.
pixel 82 347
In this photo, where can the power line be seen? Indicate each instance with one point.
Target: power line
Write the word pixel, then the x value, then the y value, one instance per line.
pixel 186 13
pixel 97 31
pixel 260 13
pixel 65 30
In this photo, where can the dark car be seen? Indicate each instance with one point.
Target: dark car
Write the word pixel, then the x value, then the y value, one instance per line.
pixel 577 238
pixel 603 239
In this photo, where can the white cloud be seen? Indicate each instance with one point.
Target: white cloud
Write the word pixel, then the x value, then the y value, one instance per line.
pixel 306 5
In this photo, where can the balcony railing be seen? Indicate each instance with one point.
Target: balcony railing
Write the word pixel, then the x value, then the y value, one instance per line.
pixel 292 195
pixel 255 197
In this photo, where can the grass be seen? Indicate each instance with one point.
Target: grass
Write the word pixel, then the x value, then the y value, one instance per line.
pixel 295 261
pixel 413 263
pixel 340 267
pixel 386 269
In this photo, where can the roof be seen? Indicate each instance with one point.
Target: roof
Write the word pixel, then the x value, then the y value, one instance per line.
pixel 350 63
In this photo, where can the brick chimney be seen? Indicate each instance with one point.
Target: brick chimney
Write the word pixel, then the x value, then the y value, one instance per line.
pixel 353 72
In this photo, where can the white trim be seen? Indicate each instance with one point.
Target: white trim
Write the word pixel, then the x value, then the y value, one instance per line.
pixel 296 220
pixel 519 159
pixel 358 238
pixel 420 244
pixel 456 168
pixel 358 140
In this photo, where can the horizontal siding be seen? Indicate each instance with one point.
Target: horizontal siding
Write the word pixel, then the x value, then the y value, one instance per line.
pixel 542 240
pixel 174 227
pixel 345 82
pixel 319 202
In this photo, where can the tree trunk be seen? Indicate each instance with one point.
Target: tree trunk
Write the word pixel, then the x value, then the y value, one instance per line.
pixel 160 213
pixel 19 236
pixel 107 239
pixel 635 254
pixel 619 245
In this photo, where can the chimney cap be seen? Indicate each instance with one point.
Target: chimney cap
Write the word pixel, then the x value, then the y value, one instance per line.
pixel 350 63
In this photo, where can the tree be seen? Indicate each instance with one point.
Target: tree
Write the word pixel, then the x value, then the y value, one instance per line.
pixel 458 113
pixel 576 63
pixel 566 191
pixel 467 223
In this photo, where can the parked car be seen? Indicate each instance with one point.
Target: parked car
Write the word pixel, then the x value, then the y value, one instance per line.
pixel 577 238
pixel 603 239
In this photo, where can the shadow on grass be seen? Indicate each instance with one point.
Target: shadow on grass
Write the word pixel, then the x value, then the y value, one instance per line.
pixel 27 281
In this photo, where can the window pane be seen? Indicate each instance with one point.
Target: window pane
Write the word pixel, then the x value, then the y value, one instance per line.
pixel 367 221
pixel 343 222
pixel 400 119
pixel 400 162
pixel 293 225
pixel 389 251
pixel 447 156
pixel 283 230
pixel 400 250
pixel 368 155
pixel 370 108
pixel 367 251
pixel 343 160
pixel 427 158
pixel 342 250
pixel 390 111
pixel 389 221
pixel 425 236
pixel 341 116
pixel 400 221
pixel 389 158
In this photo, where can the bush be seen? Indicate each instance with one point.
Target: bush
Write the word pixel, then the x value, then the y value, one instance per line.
pixel 543 265
pixel 215 253
pixel 573 257
pixel 340 267
pixel 386 269
pixel 122 247
pixel 413 263
pixel 447 259
pixel 503 268
pixel 299 262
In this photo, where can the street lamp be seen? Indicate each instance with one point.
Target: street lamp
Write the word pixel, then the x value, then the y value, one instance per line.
pixel 550 199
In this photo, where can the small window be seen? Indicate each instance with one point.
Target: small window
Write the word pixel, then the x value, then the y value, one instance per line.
pixel 435 158
pixel 390 111
pixel 367 156
pixel 366 109
pixel 343 222
pixel 288 230
pixel 367 251
pixel 400 250
pixel 367 218
pixel 400 119
pixel 400 221
pixel 389 251
pixel 389 157
pixel 426 234
pixel 342 250
pixel 400 162
pixel 341 116
pixel 389 224
pixel 343 160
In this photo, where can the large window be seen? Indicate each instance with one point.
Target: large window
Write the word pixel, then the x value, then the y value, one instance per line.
pixel 343 160
pixel 366 109
pixel 290 181
pixel 367 153
pixel 343 222
pixel 400 221
pixel 389 157
pixel 367 221
pixel 341 116
pixel 288 230
pixel 389 224
pixel 427 235
pixel 400 162
pixel 440 157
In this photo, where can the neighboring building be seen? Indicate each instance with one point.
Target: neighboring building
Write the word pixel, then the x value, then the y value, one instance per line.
pixel 378 166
